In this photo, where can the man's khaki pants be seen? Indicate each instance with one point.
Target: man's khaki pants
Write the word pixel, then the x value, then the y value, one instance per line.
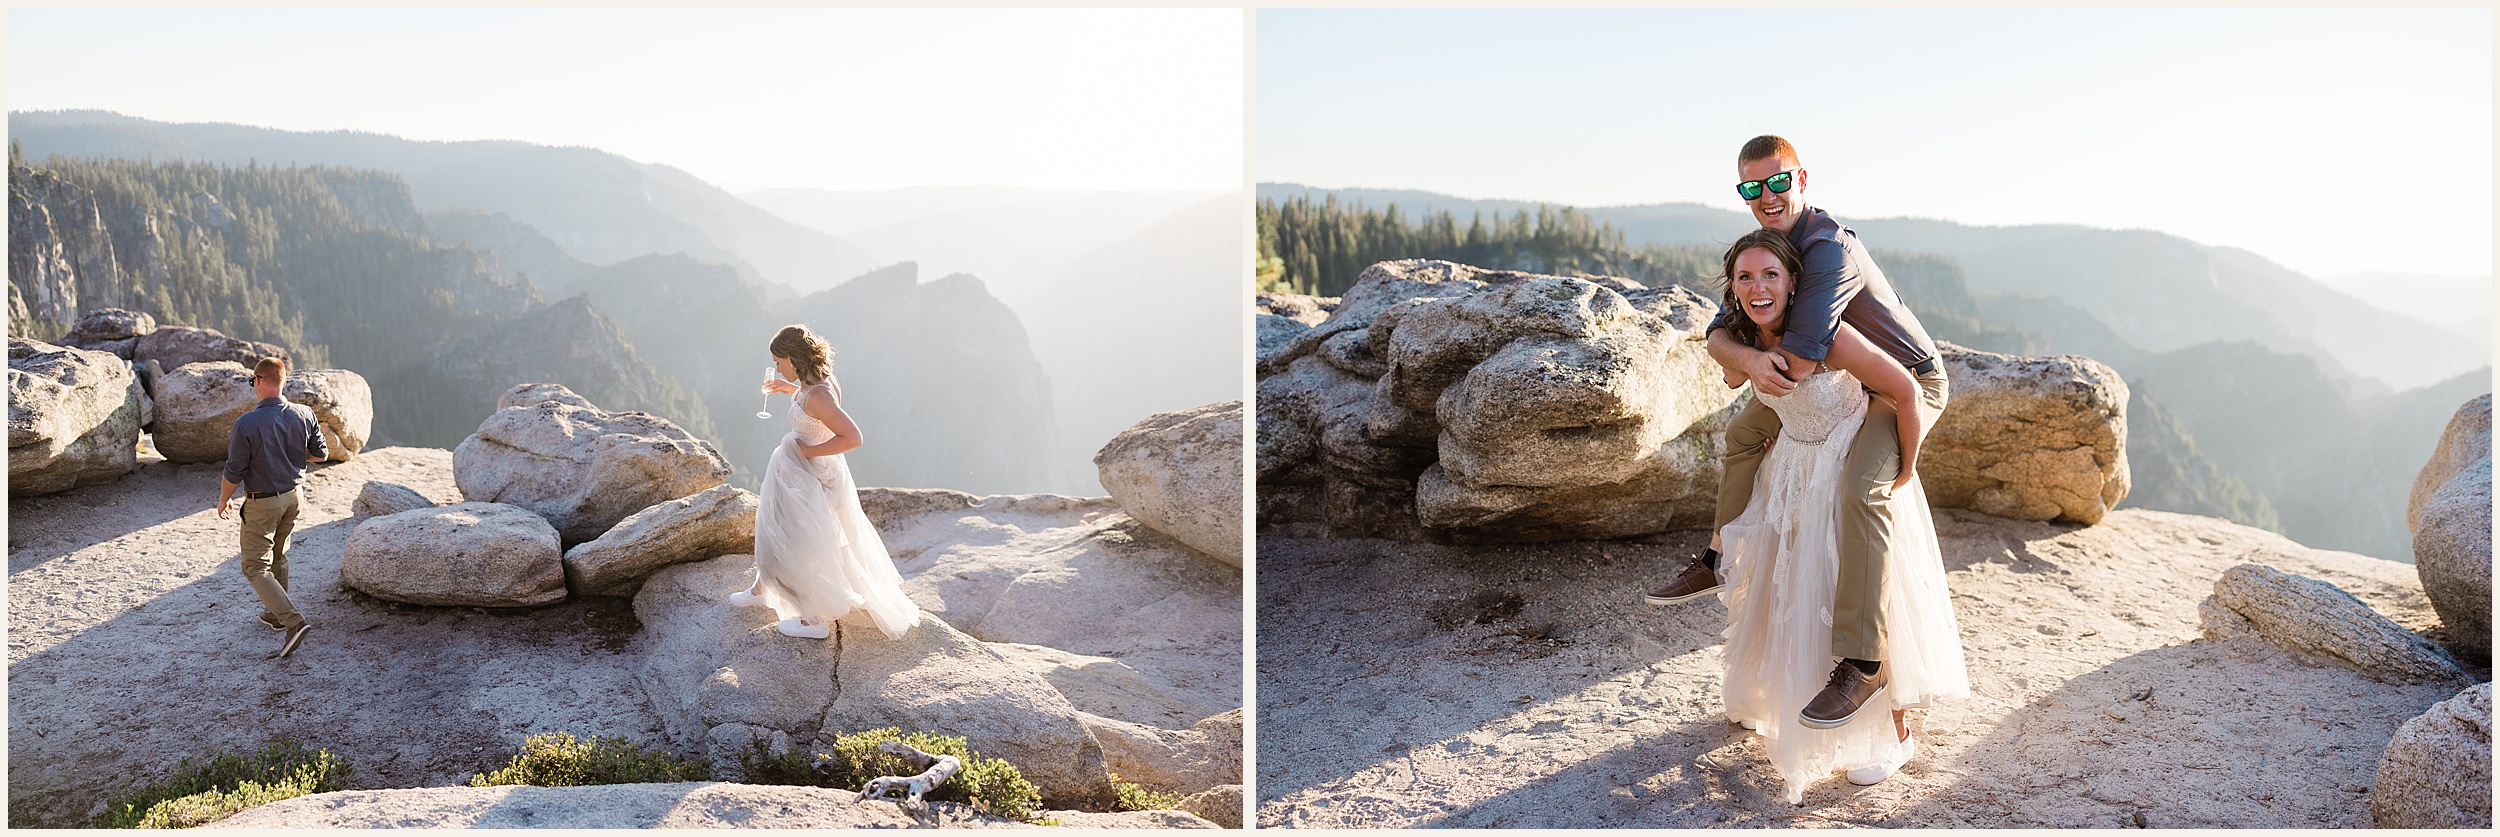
pixel 267 522
pixel 1865 507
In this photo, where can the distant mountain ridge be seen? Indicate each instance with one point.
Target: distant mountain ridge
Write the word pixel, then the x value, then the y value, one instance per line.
pixel 600 207
pixel 1131 299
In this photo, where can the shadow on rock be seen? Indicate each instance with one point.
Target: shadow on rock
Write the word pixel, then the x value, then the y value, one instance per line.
pixel 2208 734
pixel 1411 665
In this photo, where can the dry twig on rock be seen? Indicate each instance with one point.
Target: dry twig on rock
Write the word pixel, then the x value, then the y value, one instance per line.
pixel 940 768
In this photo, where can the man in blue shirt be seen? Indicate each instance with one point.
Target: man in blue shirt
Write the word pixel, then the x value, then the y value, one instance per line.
pixel 1838 282
pixel 265 456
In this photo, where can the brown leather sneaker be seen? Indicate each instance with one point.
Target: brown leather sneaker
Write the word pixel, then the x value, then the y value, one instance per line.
pixel 1697 581
pixel 1842 697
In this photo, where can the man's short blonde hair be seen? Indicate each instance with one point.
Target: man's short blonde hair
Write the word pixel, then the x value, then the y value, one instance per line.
pixel 272 368
pixel 1766 147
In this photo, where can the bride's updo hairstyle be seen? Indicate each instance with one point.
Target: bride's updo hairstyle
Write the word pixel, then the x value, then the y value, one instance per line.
pixel 809 355
pixel 1768 239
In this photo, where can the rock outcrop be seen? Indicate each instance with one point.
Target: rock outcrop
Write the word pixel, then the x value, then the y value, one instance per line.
pixel 2452 551
pixel 937 678
pixel 1441 402
pixel 1301 308
pixel 677 805
pixel 1180 472
pixel 2437 772
pixel 1108 687
pixel 2306 614
pixel 108 324
pixel 2466 440
pixel 2452 527
pixel 1283 317
pixel 378 498
pixel 2030 438
pixel 722 677
pixel 1077 575
pixel 174 347
pixel 581 467
pixel 531 395
pixel 1220 805
pixel 115 330
pixel 1444 401
pixel 74 417
pixel 718 521
pixel 471 554
pixel 197 404
pixel 341 402
pixel 1189 761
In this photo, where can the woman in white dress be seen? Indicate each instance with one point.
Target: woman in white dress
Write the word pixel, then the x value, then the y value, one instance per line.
pixel 816 555
pixel 1782 556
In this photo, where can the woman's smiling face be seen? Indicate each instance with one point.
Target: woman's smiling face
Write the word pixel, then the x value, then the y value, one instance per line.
pixel 1762 286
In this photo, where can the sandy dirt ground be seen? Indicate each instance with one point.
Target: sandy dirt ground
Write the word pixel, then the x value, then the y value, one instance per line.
pixel 1530 686
pixel 134 642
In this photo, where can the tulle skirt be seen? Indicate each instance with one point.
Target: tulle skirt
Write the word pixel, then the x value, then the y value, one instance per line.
pixel 1781 565
pixel 816 555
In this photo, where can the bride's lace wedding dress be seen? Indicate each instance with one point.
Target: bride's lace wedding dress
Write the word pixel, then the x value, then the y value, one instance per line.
pixel 1781 563
pixel 816 555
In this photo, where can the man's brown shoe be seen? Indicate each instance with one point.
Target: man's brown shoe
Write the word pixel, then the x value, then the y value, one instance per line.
pixel 1842 697
pixel 1697 581
pixel 294 637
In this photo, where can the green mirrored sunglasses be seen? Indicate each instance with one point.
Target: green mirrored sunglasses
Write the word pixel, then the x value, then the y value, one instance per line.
pixel 1777 183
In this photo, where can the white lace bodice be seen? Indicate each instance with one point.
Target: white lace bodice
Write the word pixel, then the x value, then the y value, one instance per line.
pixel 1822 406
pixel 1810 412
pixel 809 429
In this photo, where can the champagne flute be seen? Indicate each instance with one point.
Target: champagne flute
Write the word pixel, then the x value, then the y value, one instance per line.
pixel 771 374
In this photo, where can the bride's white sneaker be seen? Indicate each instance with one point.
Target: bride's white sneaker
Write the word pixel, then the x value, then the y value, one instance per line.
pixel 791 627
pixel 1874 773
pixel 742 598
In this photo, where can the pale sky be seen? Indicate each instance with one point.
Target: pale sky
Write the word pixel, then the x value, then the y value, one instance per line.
pixel 2331 141
pixel 747 99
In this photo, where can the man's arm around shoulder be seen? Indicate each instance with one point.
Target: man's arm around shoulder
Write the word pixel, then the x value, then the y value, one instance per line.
pixel 1767 370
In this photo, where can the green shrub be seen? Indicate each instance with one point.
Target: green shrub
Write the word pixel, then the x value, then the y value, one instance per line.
pixel 1135 797
pixel 214 788
pixel 762 766
pixel 557 760
pixel 990 784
